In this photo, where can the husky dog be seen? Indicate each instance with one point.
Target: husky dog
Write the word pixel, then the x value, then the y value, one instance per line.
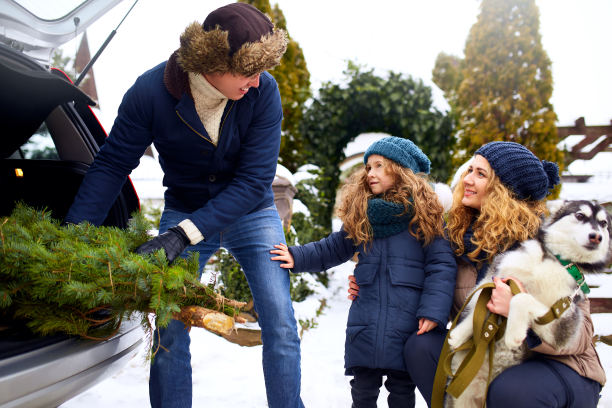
pixel 576 231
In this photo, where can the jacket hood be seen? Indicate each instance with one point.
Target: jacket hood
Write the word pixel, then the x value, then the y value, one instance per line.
pixel 175 78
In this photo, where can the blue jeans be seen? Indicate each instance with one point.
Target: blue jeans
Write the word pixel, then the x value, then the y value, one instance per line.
pixel 249 240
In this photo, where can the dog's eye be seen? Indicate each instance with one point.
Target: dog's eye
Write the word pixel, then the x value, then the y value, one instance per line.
pixel 579 216
pixel 603 223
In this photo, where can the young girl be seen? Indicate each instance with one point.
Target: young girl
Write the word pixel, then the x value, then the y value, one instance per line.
pixel 406 270
pixel 498 203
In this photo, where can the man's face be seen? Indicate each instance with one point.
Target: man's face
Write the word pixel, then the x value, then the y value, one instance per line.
pixel 232 86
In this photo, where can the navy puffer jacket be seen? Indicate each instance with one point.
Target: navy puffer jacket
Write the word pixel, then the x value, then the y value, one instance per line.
pixel 400 281
pixel 215 184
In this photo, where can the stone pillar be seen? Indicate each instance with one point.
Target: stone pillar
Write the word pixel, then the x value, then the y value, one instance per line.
pixel 284 192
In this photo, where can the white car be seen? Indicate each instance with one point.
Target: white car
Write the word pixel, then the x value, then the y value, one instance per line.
pixel 48 138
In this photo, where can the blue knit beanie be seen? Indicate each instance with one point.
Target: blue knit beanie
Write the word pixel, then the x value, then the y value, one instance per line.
pixel 402 151
pixel 520 170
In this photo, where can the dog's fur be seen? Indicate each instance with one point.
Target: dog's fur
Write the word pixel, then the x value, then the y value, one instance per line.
pixel 578 231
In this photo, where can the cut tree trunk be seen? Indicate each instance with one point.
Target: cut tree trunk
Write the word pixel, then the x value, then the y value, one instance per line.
pixel 211 320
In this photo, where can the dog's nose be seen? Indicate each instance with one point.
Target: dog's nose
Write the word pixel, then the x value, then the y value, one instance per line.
pixel 595 237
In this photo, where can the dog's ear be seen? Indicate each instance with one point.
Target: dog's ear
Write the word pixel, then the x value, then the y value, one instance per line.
pixel 555 205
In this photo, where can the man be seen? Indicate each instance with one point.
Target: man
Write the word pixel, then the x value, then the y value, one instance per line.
pixel 214 116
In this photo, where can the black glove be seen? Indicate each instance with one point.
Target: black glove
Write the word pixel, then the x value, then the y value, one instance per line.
pixel 173 242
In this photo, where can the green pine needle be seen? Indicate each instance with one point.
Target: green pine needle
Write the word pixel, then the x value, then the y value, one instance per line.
pixel 57 278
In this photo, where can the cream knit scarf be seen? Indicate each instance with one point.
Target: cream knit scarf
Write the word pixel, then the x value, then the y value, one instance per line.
pixel 209 104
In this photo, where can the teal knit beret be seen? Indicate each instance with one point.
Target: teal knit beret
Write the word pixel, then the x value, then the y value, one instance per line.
pixel 402 151
pixel 520 170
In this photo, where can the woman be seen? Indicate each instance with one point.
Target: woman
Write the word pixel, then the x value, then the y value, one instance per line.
pixel 498 203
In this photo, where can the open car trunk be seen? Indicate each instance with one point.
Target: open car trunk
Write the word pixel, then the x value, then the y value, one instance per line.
pixel 48 138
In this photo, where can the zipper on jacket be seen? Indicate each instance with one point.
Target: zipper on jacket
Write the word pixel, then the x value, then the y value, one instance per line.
pixel 226 115
pixel 195 131
pixel 201 135
pixel 383 307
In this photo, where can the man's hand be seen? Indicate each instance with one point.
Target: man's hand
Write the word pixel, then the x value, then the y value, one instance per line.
pixel 173 242
pixel 284 256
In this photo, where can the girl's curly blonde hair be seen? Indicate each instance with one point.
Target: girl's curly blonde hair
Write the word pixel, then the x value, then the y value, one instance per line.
pixel 502 220
pixel 408 189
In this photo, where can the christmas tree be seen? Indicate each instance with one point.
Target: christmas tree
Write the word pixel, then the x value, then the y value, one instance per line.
pixel 501 90
pixel 83 280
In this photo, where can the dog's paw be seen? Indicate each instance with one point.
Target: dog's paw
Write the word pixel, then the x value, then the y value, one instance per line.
pixel 522 307
pixel 514 337
pixel 458 336
pixel 452 341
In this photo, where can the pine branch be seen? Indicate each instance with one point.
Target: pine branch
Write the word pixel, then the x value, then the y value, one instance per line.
pixel 82 280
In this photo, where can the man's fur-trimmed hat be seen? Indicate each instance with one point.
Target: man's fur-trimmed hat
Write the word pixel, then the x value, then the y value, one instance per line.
pixel 237 38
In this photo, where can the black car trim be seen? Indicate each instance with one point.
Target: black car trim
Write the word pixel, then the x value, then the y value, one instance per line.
pixel 28 96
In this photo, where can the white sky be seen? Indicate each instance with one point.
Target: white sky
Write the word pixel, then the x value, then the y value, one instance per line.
pixel 400 35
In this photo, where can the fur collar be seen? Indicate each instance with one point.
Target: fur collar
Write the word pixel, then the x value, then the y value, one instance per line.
pixel 209 51
pixel 175 79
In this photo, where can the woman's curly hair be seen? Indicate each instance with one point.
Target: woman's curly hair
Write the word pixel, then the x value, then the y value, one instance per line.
pixel 411 190
pixel 502 220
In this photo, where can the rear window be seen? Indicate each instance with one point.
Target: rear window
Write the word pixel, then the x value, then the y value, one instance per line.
pixel 39 146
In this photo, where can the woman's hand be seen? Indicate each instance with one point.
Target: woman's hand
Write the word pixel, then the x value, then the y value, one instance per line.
pixel 426 325
pixel 353 289
pixel 283 255
pixel 501 296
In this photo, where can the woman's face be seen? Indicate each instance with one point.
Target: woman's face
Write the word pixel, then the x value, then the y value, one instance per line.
pixel 379 179
pixel 475 183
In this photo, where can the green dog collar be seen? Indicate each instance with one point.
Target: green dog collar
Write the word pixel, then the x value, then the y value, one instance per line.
pixel 573 270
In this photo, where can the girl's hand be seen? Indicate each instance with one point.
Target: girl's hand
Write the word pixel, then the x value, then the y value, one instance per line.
pixel 501 296
pixel 283 255
pixel 426 325
pixel 353 289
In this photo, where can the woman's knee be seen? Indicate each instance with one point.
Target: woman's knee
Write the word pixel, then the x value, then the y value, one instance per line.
pixel 414 348
pixel 526 385
pixel 501 394
pixel 423 348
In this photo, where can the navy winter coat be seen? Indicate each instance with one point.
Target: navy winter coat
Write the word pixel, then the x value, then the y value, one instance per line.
pixel 400 281
pixel 216 184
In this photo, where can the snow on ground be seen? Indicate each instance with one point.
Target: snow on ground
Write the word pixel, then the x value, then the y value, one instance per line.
pixel 598 186
pixel 228 375
pixel 147 179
